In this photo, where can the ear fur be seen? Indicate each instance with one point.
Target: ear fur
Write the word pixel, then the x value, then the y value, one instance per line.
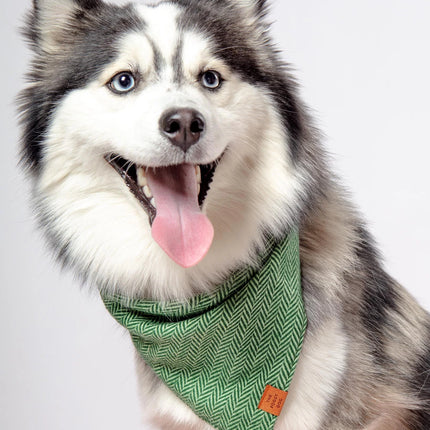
pixel 49 17
pixel 257 7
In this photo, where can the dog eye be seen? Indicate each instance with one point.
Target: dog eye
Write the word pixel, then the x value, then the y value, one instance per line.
pixel 122 83
pixel 211 79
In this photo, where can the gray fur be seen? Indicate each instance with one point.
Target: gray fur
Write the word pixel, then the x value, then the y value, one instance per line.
pixel 159 62
pixel 177 62
pixel 387 331
pixel 388 363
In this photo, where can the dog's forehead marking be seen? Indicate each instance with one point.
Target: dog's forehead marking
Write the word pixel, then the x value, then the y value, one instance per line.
pixel 175 54
pixel 178 52
pixel 162 31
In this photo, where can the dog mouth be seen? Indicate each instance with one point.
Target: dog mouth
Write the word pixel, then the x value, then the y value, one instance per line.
pixel 172 197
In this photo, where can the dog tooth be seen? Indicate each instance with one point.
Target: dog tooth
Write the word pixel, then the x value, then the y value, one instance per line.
pixel 153 203
pixel 141 178
pixel 198 175
pixel 147 191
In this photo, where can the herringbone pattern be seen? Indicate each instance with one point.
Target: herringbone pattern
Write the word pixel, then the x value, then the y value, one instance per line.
pixel 218 352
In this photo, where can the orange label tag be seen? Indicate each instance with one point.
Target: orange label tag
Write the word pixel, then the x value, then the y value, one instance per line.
pixel 273 400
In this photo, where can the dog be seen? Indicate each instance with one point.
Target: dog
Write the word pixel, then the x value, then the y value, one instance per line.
pixel 165 142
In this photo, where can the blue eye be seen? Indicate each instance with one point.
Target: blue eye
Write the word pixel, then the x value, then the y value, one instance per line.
pixel 211 79
pixel 122 83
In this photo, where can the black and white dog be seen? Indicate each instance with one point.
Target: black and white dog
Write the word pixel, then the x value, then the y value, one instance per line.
pixel 164 141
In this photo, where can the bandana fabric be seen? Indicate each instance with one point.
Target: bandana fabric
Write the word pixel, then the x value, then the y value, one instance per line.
pixel 230 355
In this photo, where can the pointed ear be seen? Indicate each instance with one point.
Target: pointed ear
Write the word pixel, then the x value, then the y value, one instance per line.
pixel 51 16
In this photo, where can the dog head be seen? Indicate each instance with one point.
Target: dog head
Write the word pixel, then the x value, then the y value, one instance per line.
pixel 163 140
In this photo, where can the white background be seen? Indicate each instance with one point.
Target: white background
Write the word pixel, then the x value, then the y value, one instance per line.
pixel 364 66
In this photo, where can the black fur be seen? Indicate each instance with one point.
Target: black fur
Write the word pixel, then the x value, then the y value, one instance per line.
pixel 158 58
pixel 89 4
pixel 379 296
pixel 177 62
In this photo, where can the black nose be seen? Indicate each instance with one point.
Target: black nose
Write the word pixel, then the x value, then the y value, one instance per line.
pixel 183 127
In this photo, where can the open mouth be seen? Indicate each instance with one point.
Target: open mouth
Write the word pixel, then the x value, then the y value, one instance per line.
pixel 172 197
pixel 136 180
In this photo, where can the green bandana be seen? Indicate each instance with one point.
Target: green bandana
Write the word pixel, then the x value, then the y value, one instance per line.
pixel 231 355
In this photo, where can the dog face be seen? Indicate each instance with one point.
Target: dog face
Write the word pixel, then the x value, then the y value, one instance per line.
pixel 163 140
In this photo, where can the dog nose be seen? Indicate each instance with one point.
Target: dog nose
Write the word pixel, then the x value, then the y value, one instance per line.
pixel 183 127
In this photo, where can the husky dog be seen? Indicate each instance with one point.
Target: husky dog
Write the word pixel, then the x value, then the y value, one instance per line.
pixel 164 142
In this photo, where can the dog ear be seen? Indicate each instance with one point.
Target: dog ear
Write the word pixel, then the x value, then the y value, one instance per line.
pixel 49 17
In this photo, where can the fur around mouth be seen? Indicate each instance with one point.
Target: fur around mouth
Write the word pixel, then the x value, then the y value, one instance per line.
pixel 134 177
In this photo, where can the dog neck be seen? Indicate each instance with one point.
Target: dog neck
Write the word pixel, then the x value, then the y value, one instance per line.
pixel 231 355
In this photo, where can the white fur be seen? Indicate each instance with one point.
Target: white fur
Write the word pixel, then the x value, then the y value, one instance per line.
pixel 107 232
pixel 318 373
pixel 92 209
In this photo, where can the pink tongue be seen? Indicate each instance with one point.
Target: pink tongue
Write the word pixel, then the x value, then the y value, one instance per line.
pixel 180 228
